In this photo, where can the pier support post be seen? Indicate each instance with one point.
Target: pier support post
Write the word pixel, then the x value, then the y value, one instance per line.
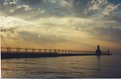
pixel 8 49
pixel 33 50
pixel 39 50
pixel 108 52
pixel 26 50
pixel 18 50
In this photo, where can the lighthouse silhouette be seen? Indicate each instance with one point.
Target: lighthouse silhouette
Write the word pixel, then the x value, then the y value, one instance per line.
pixel 98 51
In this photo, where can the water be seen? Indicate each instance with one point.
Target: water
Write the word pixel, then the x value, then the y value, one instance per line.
pixel 63 67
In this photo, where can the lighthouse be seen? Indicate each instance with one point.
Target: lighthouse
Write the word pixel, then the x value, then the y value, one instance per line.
pixel 98 51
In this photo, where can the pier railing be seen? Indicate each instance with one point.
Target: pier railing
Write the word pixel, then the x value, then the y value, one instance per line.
pixel 34 50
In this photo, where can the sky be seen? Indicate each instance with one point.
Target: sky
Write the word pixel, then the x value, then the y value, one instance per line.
pixel 61 24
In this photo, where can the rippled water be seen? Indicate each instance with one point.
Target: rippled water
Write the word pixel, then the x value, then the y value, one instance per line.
pixel 63 67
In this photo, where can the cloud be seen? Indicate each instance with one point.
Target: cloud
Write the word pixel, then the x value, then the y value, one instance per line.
pixel 108 30
pixel 114 1
pixel 110 34
pixel 1 1
pixel 40 38
pixel 112 12
pixel 30 9
pixel 36 8
pixel 109 9
pixel 59 29
pixel 80 6
pixel 44 21
pixel 25 7
pixel 12 28
pixel 95 7
pixel 10 2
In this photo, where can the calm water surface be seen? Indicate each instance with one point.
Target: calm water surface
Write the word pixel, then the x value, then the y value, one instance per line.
pixel 63 67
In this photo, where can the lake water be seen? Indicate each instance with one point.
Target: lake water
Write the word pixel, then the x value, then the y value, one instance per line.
pixel 63 67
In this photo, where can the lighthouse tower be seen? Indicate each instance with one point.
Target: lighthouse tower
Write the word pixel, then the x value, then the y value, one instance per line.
pixel 98 51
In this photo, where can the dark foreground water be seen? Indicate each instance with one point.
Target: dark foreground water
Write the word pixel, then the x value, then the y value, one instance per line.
pixel 63 67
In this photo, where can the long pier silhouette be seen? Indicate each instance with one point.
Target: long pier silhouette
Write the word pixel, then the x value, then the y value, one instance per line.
pixel 16 52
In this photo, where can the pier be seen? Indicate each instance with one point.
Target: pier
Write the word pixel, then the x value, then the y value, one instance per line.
pixel 16 52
